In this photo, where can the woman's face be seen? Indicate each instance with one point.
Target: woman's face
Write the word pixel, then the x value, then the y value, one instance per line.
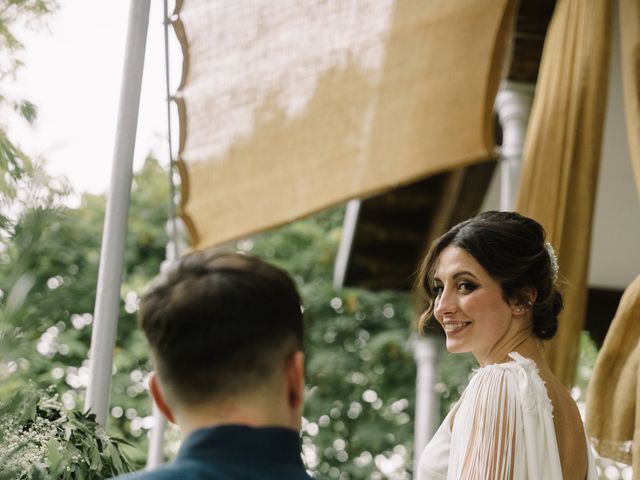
pixel 469 305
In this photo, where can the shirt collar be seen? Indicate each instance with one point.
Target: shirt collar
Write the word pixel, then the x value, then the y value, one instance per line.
pixel 273 444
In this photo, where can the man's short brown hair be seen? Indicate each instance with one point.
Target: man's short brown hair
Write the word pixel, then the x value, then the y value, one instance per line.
pixel 218 323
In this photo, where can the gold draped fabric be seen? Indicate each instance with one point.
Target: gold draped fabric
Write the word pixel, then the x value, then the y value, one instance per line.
pixel 562 153
pixel 613 397
pixel 630 46
pixel 287 108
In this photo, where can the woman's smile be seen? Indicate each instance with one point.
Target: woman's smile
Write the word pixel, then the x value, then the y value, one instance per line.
pixel 452 328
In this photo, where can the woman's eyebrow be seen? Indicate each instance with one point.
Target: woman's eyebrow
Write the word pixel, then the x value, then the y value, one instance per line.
pixel 456 275
pixel 463 273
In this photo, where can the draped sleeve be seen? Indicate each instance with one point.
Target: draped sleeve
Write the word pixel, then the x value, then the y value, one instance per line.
pixel 503 429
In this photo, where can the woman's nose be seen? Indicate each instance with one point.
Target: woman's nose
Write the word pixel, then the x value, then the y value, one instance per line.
pixel 445 304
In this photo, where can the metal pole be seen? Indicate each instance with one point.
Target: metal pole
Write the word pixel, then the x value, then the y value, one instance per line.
pixel 513 104
pixel 156 440
pixel 103 336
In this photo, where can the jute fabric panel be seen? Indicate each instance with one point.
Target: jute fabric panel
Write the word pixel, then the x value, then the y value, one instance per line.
pixel 613 397
pixel 630 46
pixel 562 154
pixel 289 107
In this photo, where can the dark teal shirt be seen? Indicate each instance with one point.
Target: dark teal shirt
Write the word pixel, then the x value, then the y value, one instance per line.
pixel 233 452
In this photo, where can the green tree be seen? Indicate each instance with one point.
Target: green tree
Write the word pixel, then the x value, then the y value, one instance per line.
pixel 49 271
pixel 15 166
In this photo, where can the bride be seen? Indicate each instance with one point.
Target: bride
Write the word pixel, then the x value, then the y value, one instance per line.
pixel 491 283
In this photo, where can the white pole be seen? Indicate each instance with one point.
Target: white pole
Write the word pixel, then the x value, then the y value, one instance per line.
pixel 426 352
pixel 155 455
pixel 156 440
pixel 103 336
pixel 349 225
pixel 513 104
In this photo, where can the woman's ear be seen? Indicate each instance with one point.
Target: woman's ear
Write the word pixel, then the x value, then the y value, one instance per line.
pixel 517 308
pixel 531 294
pixel 524 302
pixel 159 398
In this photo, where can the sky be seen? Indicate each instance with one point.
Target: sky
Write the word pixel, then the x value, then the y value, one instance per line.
pixel 72 73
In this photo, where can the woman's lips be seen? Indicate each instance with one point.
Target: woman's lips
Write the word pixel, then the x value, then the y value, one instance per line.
pixel 451 328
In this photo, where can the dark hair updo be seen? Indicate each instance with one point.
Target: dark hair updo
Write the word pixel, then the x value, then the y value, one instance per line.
pixel 511 248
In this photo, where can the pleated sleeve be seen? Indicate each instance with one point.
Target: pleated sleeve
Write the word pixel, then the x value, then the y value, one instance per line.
pixel 487 437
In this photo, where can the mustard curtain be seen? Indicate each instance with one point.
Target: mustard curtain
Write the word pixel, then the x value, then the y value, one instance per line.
pixel 562 154
pixel 613 400
pixel 613 397
pixel 630 46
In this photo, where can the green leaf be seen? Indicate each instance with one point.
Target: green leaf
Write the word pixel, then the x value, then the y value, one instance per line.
pixel 114 456
pixel 55 458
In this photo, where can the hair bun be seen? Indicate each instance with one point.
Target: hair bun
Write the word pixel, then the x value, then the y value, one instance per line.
pixel 545 317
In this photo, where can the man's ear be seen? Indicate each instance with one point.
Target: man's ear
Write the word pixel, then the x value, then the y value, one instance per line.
pixel 158 397
pixel 294 368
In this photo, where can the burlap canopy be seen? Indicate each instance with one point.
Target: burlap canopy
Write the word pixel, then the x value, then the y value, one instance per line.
pixel 287 108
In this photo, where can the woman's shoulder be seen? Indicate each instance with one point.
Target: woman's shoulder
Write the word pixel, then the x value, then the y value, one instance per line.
pixel 518 366
pixel 519 379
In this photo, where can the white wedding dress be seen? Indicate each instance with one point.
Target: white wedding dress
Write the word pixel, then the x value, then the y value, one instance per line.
pixel 503 430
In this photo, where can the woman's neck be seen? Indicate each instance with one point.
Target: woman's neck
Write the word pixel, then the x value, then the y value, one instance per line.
pixel 523 343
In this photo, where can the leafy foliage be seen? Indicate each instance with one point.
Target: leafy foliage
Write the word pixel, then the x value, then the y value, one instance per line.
pixel 39 438
pixel 48 273
pixel 14 164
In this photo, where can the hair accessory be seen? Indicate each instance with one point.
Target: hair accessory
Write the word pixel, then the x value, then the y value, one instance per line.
pixel 554 261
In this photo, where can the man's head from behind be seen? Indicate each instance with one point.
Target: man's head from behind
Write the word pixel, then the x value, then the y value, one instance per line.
pixel 226 333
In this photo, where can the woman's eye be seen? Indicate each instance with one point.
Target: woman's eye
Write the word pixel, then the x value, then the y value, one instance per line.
pixel 437 289
pixel 466 287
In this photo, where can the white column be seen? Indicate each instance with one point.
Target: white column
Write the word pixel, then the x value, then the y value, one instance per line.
pixel 103 335
pixel 426 351
pixel 513 105
pixel 174 248
pixel 156 441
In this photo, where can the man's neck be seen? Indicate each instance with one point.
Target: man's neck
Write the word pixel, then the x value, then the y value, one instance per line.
pixel 213 415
